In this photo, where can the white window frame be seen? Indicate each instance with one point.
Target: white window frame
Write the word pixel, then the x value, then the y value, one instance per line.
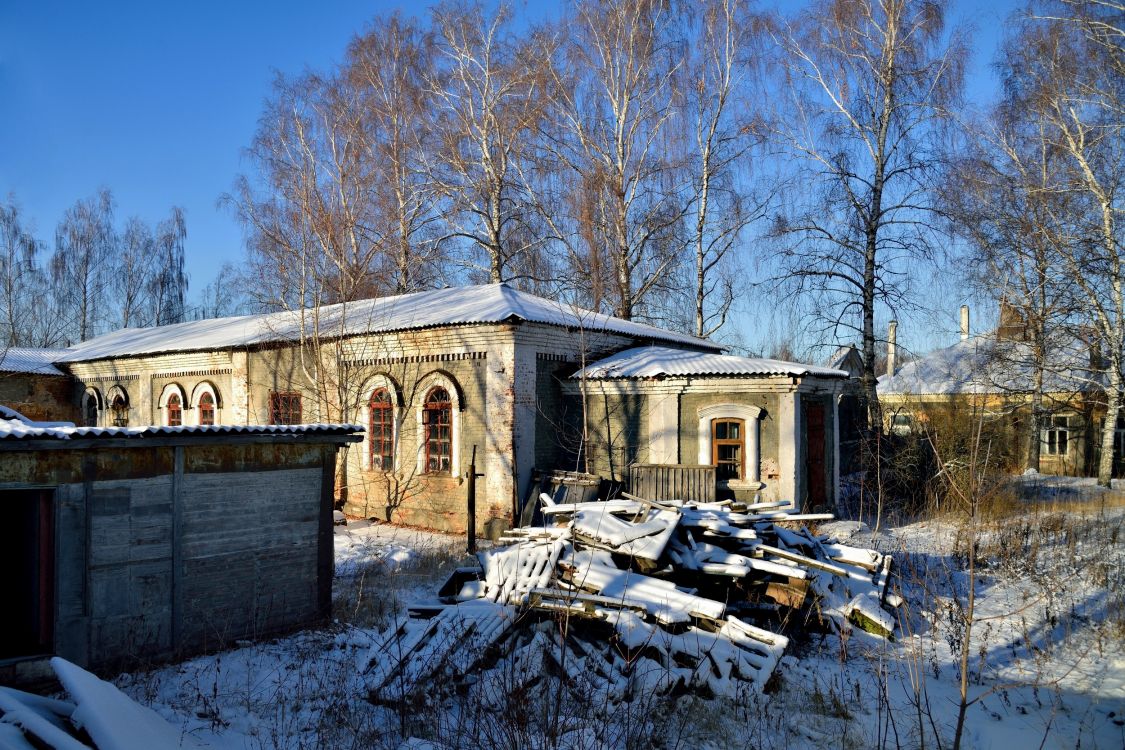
pixel 200 388
pixel 751 418
pixel 425 385
pixel 1055 427
pixel 372 385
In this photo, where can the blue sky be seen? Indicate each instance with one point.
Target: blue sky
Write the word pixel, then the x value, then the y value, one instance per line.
pixel 157 100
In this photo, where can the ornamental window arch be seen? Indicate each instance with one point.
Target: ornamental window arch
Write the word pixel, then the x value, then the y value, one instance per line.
pixel 207 403
pixel 730 440
pixel 172 403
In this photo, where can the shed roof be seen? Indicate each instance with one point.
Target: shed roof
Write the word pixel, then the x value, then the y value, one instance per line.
pixel 15 426
pixel 662 361
pixel 32 361
pixel 489 303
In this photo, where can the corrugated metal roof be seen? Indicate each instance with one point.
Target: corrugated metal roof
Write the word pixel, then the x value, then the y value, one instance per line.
pixel 490 303
pixel 661 361
pixel 15 427
pixel 32 361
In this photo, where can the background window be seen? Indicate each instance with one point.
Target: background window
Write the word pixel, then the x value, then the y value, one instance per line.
pixel 437 429
pixel 381 432
pixel 206 409
pixel 174 411
pixel 728 448
pixel 1056 437
pixel 285 408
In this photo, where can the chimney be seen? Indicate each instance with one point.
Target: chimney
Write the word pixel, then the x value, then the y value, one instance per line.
pixel 964 322
pixel 892 330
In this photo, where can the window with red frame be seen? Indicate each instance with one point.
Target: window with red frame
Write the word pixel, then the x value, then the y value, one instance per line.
pixel 728 448
pixel 437 422
pixel 174 411
pixel 382 431
pixel 285 408
pixel 206 409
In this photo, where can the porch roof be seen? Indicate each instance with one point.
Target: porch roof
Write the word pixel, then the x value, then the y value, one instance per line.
pixel 662 362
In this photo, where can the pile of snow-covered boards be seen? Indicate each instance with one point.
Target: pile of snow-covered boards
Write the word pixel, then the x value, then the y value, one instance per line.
pixel 671 595
pixel 98 715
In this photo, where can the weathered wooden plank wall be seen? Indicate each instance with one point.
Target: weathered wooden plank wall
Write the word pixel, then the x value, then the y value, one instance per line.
pixel 672 481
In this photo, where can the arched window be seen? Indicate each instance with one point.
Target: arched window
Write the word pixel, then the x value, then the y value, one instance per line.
pixel 206 408
pixel 381 435
pixel 91 405
pixel 174 411
pixel 437 431
pixel 172 400
pixel 208 403
pixel 119 411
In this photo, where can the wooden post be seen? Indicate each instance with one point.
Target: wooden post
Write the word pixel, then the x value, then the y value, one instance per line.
pixel 471 491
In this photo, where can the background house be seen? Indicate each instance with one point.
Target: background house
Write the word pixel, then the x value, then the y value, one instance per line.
pixel 994 376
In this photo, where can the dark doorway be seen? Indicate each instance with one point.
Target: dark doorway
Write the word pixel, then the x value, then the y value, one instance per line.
pixel 815 468
pixel 27 557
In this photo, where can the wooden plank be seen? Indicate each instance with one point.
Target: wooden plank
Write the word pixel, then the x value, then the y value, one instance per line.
pixel 808 561
pixel 325 561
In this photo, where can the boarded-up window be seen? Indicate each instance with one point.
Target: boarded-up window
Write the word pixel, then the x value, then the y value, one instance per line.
pixel 728 448
pixel 119 411
pixel 285 408
pixel 437 426
pixel 381 431
pixel 206 409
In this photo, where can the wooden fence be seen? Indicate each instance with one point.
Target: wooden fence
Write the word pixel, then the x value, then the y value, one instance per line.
pixel 672 481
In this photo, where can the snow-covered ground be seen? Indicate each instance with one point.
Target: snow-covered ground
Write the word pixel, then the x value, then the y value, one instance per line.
pixel 1046 661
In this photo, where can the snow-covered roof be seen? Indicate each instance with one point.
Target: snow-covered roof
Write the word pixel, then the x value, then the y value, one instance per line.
pixel 988 364
pixel 15 426
pixel 846 358
pixel 662 361
pixel 31 361
pixel 489 303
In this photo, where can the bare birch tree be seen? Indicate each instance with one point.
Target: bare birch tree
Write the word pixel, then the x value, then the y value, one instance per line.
pixel 27 314
pixel 1064 69
pixel 168 283
pixel 387 66
pixel 869 84
pixel 723 54
pixel 488 86
pixel 613 103
pixel 82 265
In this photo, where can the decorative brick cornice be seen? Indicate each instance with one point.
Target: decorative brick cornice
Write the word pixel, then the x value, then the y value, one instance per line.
pixel 191 373
pixel 415 359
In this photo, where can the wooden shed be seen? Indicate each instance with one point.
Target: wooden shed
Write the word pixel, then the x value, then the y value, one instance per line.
pixel 123 544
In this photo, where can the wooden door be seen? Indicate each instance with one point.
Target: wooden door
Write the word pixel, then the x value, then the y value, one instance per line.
pixel 27 557
pixel 815 467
